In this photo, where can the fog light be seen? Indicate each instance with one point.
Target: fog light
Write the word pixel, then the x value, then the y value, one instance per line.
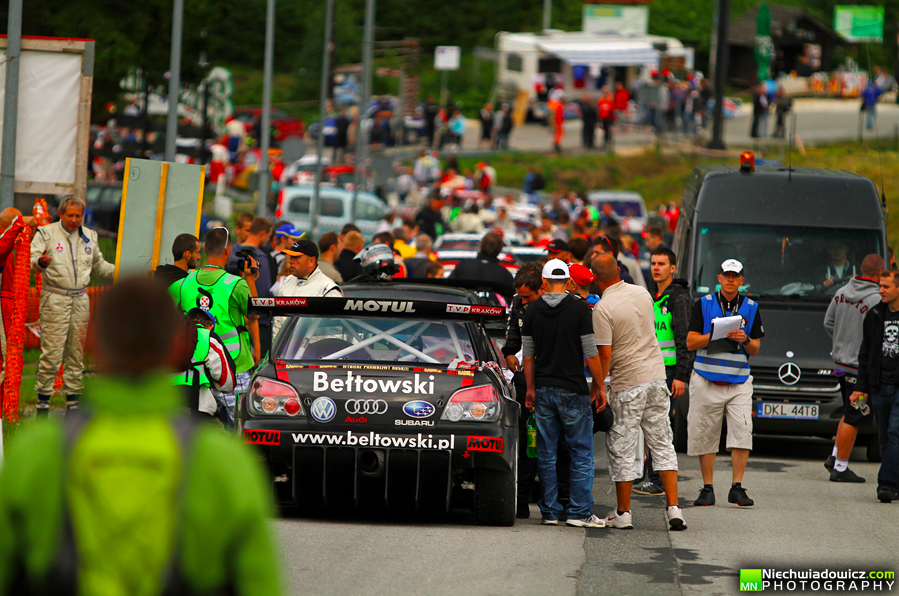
pixel 453 412
pixel 269 404
pixel 292 407
pixel 477 410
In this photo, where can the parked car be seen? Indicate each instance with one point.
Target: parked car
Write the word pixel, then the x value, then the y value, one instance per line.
pixel 628 207
pixel 104 202
pixel 334 209
pixel 284 124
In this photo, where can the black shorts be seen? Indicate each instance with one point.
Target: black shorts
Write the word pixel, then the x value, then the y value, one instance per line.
pixel 852 416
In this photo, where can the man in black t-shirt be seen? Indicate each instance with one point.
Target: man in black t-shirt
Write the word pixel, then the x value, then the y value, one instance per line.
pixel 556 337
pixel 878 374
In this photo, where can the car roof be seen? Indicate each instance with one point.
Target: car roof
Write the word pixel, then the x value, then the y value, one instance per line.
pixel 328 190
pixel 614 195
pixel 408 291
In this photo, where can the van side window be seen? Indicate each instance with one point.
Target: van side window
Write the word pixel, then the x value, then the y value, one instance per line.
pixel 299 205
pixel 331 207
pixel 368 211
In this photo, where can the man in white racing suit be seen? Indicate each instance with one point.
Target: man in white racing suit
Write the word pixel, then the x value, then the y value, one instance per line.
pixel 66 253
pixel 306 278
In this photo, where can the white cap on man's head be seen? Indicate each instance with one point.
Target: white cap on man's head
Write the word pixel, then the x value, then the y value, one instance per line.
pixel 732 266
pixel 555 269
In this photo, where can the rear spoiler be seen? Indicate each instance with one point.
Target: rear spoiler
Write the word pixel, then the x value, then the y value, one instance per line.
pixel 362 307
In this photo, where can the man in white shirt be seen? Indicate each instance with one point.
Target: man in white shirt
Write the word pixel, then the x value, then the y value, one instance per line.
pixel 306 278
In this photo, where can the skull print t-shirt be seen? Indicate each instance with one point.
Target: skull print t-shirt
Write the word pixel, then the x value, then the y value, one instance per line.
pixel 889 371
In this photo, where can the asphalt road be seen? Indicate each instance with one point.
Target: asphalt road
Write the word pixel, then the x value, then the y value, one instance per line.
pixel 800 520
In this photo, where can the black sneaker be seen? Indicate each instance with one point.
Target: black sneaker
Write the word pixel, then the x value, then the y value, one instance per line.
pixel 830 462
pixel 738 496
pixel 648 488
pixel 706 497
pixel 523 511
pixel 846 475
pixel 887 494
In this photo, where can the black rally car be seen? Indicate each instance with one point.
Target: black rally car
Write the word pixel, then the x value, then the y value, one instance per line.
pixel 389 398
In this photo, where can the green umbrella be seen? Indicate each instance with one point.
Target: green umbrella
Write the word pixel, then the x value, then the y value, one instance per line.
pixel 764 47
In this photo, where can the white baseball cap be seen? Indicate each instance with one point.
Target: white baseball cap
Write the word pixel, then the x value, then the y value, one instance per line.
pixel 555 269
pixel 732 266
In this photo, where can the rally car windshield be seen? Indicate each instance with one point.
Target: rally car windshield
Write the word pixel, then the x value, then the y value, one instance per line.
pixel 378 339
pixel 783 260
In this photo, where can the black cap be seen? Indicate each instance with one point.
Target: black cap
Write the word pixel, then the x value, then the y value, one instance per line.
pixel 557 245
pixel 302 247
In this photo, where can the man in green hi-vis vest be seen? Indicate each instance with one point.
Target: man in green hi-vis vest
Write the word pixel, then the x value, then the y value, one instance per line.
pixel 227 297
pixel 672 318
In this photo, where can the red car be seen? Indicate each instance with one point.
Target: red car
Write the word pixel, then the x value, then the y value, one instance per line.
pixel 285 125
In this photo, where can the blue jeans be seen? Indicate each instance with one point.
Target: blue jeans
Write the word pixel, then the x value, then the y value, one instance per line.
pixel 885 404
pixel 560 411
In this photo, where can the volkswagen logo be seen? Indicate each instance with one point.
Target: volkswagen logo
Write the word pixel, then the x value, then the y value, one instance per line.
pixel 323 409
pixel 789 373
pixel 418 409
pixel 366 406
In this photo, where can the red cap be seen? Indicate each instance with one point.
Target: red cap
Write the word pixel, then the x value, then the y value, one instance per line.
pixel 581 275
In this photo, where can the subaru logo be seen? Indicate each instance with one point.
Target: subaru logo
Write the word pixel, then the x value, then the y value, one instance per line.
pixel 323 409
pixel 418 409
pixel 789 373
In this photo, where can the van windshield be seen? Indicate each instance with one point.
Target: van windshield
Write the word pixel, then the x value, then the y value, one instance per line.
pixel 783 260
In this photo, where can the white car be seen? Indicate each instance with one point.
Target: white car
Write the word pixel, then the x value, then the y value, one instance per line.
pixel 628 206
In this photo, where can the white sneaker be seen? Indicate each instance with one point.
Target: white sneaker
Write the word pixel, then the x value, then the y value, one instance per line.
pixel 587 522
pixel 622 522
pixel 549 522
pixel 675 519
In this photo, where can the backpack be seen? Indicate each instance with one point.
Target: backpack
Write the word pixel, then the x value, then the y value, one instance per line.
pixel 97 499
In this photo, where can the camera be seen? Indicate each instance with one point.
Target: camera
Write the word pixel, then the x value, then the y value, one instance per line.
pixel 244 255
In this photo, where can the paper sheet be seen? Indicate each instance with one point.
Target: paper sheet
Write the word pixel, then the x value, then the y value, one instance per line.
pixel 724 325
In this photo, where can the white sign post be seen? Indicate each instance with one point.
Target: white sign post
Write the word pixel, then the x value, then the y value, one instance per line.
pixel 446 58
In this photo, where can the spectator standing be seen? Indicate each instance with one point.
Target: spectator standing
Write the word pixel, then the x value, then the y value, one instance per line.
pixel 610 246
pixel 125 489
pixel 423 256
pixel 283 237
pixel 258 235
pixel 878 375
pixel 588 118
pixel 622 99
pixel 306 277
pixel 67 254
pixel 869 103
pixel 485 266
pixel 759 112
pixel 606 109
pixel 430 114
pixel 486 117
pixel 843 323
pixel 186 253
pixel 342 126
pixel 556 337
pixel 721 384
pixel 346 264
pixel 429 220
pixel 227 297
pixel 781 109
pixel 242 228
pixel 328 249
pixel 630 354
pixel 672 309
pixel 503 128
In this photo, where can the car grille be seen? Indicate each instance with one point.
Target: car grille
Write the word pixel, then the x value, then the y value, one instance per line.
pixel 364 478
pixel 810 382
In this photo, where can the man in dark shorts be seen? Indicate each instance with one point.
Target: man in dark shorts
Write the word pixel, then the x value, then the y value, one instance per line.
pixel 843 322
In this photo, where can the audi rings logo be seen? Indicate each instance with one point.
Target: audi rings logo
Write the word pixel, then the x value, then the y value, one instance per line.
pixel 789 373
pixel 323 409
pixel 366 406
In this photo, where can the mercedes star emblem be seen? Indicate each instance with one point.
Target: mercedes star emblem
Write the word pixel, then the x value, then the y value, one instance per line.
pixel 789 373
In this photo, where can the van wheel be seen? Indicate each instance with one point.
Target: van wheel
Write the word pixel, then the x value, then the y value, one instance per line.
pixel 872 449
pixel 494 497
pixel 679 422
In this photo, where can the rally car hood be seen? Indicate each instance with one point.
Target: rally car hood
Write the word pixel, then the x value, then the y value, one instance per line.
pixel 389 394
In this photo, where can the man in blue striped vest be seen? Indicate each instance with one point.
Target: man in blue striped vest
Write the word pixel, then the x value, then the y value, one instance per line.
pixel 721 384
